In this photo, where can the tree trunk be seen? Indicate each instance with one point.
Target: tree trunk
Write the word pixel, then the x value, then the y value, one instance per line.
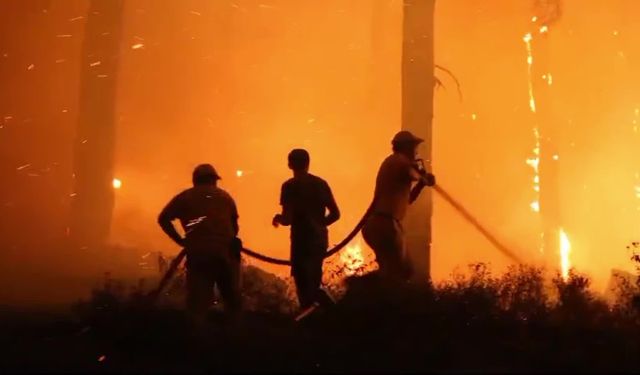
pixel 417 116
pixel 547 12
pixel 94 147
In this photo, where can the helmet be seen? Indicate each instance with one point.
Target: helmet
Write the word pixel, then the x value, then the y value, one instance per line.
pixel 406 136
pixel 205 170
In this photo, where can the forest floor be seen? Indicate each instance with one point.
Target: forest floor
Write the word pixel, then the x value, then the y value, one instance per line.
pixel 519 321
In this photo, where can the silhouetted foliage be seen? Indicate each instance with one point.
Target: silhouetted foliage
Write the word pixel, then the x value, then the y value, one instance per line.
pixel 519 320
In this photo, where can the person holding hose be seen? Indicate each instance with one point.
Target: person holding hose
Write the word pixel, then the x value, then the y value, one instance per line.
pixel 398 184
pixel 209 218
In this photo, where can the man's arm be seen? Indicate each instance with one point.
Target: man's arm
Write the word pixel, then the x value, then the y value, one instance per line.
pixel 332 206
pixel 165 219
pixel 424 179
pixel 283 218
pixel 416 190
pixel 234 218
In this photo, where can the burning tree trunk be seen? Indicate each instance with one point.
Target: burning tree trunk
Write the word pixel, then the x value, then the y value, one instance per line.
pixel 547 12
pixel 94 148
pixel 417 115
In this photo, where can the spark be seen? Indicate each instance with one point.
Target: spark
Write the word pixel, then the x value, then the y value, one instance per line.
pixel 30 67
pixel 137 46
pixel 535 206
pixel 195 13
pixel 534 19
pixel 532 101
pixel 23 167
pixel 58 61
pixel 102 358
pixel 117 184
pixel 544 29
pixel 556 157
pixel 474 117
pixel 615 33
pixel 239 173
pixel 95 63
pixel 565 251
pixel 76 18
pixel 64 36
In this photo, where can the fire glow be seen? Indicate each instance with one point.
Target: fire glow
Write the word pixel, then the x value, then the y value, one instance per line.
pixel 352 259
pixel 116 183
pixel 565 252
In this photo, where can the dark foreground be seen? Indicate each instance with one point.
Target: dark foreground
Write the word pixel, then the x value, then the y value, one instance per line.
pixel 478 323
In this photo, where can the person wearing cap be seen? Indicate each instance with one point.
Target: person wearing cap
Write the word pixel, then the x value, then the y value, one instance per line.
pixel 398 184
pixel 209 218
pixel 308 206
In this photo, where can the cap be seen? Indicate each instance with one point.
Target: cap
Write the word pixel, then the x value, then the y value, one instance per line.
pixel 206 170
pixel 406 136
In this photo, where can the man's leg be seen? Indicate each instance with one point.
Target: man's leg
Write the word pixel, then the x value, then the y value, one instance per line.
pixel 300 273
pixel 199 294
pixel 228 279
pixel 384 236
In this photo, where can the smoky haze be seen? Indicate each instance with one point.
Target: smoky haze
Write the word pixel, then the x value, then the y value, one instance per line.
pixel 240 83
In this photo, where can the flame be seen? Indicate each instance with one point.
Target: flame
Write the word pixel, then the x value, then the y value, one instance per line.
pixel 352 259
pixel 565 251
pixel 532 100
pixel 117 184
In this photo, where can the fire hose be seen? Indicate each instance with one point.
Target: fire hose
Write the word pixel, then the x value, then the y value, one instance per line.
pixel 283 262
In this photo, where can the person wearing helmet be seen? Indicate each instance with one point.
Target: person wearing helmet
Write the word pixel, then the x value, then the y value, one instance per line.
pixel 398 184
pixel 305 200
pixel 209 218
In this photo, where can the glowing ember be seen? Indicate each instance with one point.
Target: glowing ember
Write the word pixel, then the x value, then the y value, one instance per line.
pixel 532 101
pixel 117 184
pixel 352 259
pixel 535 206
pixel 565 251
pixel 239 173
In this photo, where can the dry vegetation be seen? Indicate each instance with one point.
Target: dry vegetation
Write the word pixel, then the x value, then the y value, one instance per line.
pixel 521 320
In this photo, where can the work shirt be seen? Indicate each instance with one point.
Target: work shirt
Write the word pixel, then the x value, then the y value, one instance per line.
pixel 393 186
pixel 208 215
pixel 308 196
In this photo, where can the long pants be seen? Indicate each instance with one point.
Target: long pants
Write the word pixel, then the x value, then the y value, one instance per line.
pixel 203 273
pixel 385 236
pixel 307 256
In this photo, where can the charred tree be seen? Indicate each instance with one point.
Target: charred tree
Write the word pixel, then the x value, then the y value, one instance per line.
pixel 417 114
pixel 95 140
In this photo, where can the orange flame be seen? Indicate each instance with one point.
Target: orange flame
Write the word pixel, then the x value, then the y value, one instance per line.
pixel 352 259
